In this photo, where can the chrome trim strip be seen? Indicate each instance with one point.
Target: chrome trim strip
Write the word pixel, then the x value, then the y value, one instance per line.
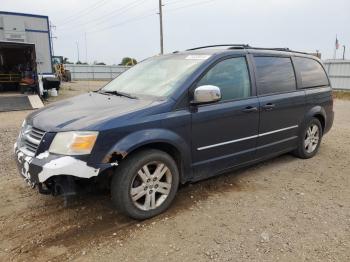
pixel 227 142
pixel 278 130
pixel 246 138
pixel 32 139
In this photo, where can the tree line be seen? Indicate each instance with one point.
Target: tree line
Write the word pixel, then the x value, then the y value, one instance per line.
pixel 126 61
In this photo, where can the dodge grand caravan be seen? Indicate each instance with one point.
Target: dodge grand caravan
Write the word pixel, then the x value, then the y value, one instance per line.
pixel 178 118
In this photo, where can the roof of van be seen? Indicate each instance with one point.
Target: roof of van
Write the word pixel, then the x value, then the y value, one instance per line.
pixel 242 49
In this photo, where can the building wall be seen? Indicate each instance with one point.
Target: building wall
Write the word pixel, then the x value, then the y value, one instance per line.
pixel 27 28
pixel 339 73
pixel 94 72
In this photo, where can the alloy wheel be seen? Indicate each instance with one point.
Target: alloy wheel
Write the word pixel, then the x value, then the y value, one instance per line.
pixel 151 186
pixel 312 138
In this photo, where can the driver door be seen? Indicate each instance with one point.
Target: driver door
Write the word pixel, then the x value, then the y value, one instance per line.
pixel 224 133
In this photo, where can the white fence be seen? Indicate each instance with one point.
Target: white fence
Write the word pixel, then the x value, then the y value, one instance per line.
pixel 94 72
pixel 339 73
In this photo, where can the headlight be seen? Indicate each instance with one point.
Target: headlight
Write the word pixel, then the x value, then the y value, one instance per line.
pixel 21 130
pixel 73 143
pixel 25 129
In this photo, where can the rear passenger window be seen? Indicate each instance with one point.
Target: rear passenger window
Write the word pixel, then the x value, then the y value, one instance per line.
pixel 274 75
pixel 312 73
pixel 231 76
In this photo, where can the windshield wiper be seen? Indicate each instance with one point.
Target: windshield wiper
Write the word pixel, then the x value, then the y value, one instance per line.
pixel 118 93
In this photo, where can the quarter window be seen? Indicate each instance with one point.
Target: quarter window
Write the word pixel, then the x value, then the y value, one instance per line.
pixel 274 75
pixel 231 76
pixel 312 73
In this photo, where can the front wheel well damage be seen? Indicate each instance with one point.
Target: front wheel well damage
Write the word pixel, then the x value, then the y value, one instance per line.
pixel 59 185
pixel 67 185
pixel 165 147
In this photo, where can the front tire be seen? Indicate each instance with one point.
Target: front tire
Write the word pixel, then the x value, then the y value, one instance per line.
pixel 309 140
pixel 145 184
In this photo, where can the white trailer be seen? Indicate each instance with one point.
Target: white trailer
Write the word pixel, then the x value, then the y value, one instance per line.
pixel 31 29
pixel 25 57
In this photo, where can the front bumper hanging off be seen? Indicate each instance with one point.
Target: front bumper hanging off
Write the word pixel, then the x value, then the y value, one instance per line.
pixel 37 170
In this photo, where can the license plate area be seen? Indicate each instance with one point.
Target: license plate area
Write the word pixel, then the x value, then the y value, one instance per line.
pixel 23 164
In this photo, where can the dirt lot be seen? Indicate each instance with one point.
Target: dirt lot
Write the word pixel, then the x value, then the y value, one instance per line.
pixel 285 209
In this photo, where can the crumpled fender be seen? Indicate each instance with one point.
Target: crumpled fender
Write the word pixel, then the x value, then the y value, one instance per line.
pixel 141 138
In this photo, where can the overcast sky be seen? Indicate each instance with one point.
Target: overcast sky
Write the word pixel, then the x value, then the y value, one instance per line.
pixel 119 28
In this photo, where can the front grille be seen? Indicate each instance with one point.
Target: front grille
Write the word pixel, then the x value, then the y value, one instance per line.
pixel 32 139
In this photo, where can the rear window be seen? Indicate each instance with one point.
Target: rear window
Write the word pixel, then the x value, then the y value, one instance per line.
pixel 311 71
pixel 274 75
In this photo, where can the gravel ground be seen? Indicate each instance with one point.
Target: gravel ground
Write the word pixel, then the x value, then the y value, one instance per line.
pixel 284 209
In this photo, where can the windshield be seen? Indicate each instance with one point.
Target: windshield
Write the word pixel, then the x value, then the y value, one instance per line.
pixel 157 76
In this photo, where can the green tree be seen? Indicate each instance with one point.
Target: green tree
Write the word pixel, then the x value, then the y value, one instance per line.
pixel 128 61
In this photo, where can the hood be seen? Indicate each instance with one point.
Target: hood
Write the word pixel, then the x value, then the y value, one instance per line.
pixel 84 111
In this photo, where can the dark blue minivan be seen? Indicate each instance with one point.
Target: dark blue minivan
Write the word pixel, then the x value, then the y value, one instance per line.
pixel 178 118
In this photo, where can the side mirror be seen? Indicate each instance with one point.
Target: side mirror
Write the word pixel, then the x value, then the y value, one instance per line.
pixel 206 94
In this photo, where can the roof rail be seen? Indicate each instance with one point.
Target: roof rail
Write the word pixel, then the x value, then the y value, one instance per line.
pixel 247 46
pixel 285 49
pixel 238 46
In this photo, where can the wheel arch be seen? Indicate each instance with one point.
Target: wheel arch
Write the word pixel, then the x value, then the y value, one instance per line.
pixel 167 148
pixel 322 120
pixel 164 140
pixel 316 112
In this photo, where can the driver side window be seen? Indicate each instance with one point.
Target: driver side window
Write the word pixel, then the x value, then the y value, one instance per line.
pixel 231 76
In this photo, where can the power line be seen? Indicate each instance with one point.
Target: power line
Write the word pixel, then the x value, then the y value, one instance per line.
pixel 144 16
pixel 83 12
pixel 190 5
pixel 174 2
pixel 137 18
pixel 117 11
pixel 148 15
pixel 122 10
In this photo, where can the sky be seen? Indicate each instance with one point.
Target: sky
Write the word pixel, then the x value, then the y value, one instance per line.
pixel 108 30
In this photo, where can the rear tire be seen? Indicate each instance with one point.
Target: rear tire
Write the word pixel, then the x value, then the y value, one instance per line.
pixel 309 140
pixel 145 184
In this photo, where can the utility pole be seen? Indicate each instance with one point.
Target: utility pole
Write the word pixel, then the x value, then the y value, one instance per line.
pixel 86 52
pixel 336 47
pixel 78 50
pixel 52 37
pixel 343 52
pixel 161 26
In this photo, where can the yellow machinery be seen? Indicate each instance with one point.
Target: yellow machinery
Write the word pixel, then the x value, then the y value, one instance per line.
pixel 60 71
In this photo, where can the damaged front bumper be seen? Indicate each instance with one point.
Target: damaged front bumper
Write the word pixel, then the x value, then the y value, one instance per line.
pixel 37 170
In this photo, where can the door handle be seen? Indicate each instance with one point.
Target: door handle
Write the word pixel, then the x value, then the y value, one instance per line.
pixel 250 109
pixel 269 106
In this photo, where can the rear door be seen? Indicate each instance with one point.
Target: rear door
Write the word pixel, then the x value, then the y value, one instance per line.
pixel 224 134
pixel 317 87
pixel 282 105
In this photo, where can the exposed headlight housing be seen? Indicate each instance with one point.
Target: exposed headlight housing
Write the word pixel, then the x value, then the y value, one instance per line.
pixel 24 130
pixel 21 130
pixel 73 143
